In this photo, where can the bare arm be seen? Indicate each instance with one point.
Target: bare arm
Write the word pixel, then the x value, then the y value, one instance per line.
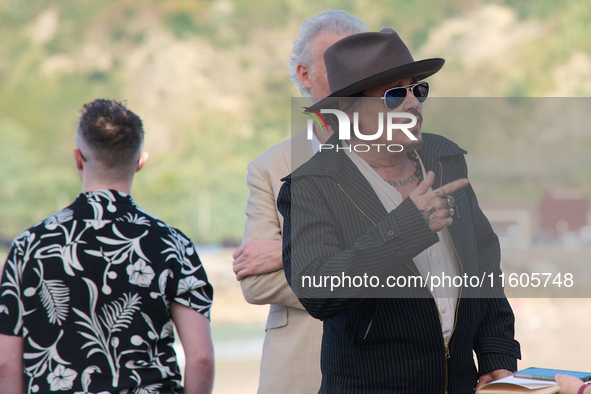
pixel 570 384
pixel 195 336
pixel 11 364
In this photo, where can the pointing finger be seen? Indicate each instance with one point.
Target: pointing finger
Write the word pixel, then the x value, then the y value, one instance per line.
pixel 451 187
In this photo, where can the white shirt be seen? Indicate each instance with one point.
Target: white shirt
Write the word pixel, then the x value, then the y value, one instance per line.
pixel 439 259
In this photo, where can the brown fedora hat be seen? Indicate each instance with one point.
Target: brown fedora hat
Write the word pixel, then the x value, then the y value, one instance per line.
pixel 361 61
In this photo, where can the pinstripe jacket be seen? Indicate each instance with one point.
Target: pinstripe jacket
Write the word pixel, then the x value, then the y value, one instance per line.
pixel 335 223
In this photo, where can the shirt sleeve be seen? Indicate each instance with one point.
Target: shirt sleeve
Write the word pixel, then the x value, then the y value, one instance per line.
pixel 11 321
pixel 189 284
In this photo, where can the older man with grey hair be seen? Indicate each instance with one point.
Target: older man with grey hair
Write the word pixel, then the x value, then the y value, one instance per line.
pixel 291 352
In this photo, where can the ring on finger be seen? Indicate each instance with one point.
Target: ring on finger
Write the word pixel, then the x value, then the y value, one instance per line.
pixel 450 201
pixel 451 212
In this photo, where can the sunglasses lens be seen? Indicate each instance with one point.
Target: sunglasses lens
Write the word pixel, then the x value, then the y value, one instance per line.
pixel 420 91
pixel 395 97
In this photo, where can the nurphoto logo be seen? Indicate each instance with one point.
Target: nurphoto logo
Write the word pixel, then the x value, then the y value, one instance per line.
pixel 344 131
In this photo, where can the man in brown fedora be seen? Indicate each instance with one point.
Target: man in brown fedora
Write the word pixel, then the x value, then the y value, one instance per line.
pixel 374 212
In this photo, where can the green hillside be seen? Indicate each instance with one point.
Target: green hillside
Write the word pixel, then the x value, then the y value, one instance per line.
pixel 210 81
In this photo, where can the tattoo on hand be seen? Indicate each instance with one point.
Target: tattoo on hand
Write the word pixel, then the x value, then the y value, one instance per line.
pixel 439 194
pixel 427 214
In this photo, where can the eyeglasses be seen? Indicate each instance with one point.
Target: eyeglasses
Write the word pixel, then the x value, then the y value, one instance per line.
pixel 394 97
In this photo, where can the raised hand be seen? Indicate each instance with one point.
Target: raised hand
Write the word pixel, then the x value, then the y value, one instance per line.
pixel 436 206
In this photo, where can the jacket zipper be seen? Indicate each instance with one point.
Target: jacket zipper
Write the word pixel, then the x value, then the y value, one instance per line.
pixel 446 346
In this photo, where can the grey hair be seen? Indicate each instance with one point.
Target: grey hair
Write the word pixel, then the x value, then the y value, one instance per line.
pixel 333 21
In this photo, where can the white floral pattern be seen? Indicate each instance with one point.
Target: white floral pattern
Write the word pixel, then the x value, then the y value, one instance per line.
pixel 107 338
pixel 140 273
pixel 61 378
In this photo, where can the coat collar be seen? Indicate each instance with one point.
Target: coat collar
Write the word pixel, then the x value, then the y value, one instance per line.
pixel 335 164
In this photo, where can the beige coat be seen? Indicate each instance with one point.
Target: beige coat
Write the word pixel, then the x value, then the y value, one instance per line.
pixel 291 351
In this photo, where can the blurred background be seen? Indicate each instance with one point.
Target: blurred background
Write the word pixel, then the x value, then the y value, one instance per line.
pixel 210 81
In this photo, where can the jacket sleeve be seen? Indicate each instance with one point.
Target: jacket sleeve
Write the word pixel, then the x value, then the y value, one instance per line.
pixel 494 342
pixel 313 242
pixel 262 222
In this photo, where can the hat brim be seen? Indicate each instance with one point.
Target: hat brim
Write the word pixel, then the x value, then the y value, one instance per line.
pixel 421 69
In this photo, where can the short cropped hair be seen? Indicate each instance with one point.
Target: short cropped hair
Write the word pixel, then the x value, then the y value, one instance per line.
pixel 333 21
pixel 113 133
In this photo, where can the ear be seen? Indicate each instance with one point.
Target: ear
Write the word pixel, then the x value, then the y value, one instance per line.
pixel 142 160
pixel 304 75
pixel 78 159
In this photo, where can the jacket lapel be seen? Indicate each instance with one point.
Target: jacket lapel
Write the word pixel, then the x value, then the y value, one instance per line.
pixel 357 187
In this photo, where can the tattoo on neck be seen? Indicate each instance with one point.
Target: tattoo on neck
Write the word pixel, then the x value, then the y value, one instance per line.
pixel 411 179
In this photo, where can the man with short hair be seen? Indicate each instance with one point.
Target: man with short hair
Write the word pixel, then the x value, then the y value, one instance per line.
pixel 363 207
pixel 89 295
pixel 291 351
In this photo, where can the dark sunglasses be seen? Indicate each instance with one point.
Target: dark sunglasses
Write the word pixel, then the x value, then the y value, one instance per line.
pixel 394 97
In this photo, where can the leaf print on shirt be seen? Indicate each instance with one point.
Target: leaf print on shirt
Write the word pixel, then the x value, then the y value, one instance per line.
pixel 65 249
pixel 61 378
pixel 189 284
pixel 86 380
pixel 180 249
pixel 116 317
pixel 22 248
pixel 129 248
pixel 152 349
pixel 54 294
pixel 196 288
pixel 149 389
pixel 135 219
pixel 94 199
pixel 47 356
pixel 162 280
pixel 54 220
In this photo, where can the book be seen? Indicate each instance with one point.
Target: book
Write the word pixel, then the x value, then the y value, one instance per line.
pixel 548 374
pixel 513 385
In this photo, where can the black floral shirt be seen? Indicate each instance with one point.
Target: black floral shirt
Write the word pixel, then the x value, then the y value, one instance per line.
pixel 89 290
